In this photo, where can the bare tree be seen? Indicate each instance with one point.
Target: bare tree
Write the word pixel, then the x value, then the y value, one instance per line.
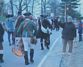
pixel 1 6
pixel 27 2
pixel 33 5
pixel 54 4
pixel 22 5
pixel 12 9
pixel 43 6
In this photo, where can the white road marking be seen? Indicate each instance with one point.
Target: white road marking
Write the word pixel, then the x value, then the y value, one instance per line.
pixel 45 57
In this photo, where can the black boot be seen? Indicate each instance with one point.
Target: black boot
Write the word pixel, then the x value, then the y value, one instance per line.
pixel 26 58
pixel 47 47
pixel 1 58
pixel 41 40
pixel 47 44
pixel 42 48
pixel 31 55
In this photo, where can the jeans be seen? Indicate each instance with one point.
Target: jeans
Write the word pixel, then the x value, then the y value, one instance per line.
pixel 9 37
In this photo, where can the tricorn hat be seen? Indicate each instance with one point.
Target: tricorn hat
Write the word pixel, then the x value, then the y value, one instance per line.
pixel 27 14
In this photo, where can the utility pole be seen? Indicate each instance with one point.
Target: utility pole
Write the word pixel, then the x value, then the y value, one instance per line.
pixel 65 12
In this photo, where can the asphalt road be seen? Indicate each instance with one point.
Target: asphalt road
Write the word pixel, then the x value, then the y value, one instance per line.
pixel 10 60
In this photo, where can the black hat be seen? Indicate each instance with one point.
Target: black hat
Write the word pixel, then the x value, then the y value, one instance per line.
pixel 9 15
pixel 27 14
pixel 43 16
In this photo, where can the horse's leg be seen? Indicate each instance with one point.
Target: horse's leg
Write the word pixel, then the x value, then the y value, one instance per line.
pixel 47 42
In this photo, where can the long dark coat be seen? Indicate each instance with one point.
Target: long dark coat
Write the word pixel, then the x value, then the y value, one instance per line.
pixel 69 30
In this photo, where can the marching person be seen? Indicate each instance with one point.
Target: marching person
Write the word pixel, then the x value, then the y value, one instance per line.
pixel 68 34
pixel 1 43
pixel 28 28
pixel 10 28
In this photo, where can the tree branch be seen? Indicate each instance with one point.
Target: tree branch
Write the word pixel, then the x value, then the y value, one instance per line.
pixel 28 2
pixel 16 6
pixel 24 8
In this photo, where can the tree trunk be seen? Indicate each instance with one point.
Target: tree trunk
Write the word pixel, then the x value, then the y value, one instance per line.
pixel 11 2
pixel 26 6
pixel 33 6
pixel 44 7
pixel 20 8
pixel 1 7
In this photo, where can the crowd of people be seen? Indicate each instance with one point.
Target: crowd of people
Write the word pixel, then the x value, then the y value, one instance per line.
pixel 27 30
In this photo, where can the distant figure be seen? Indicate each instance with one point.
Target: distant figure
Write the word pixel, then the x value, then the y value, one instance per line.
pixel 80 30
pixel 55 23
pixel 18 21
pixel 68 34
pixel 1 43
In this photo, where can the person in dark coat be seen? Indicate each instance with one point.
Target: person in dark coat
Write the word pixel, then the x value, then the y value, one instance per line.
pixel 68 34
pixel 1 43
pixel 80 30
